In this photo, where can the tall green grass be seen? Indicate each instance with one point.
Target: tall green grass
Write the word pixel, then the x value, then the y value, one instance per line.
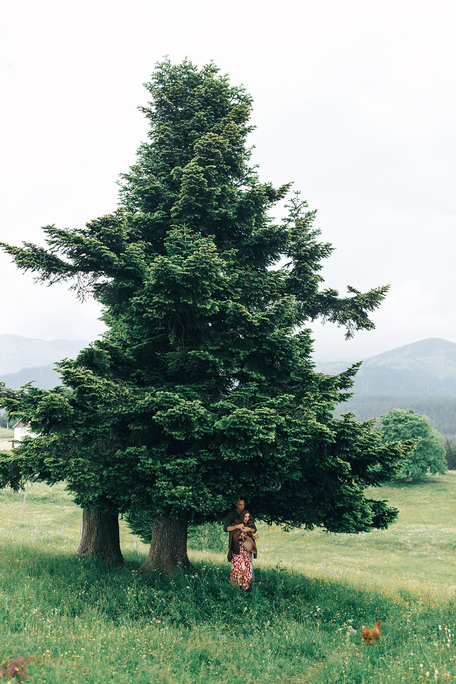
pixel 84 621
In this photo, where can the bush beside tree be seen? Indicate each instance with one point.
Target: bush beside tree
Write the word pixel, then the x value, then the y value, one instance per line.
pixel 428 455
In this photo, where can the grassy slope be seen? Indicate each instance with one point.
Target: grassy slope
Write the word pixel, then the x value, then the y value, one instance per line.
pixel 85 622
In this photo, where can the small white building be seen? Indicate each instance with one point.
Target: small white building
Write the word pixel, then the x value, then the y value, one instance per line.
pixel 20 430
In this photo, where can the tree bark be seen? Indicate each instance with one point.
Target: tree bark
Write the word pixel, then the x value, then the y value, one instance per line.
pixel 100 536
pixel 168 547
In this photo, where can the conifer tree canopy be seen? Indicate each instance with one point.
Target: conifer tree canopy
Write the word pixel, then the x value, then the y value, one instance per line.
pixel 203 388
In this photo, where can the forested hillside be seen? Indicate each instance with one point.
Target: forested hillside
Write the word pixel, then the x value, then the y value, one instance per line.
pixel 440 410
pixel 44 377
pixel 419 376
pixel 17 352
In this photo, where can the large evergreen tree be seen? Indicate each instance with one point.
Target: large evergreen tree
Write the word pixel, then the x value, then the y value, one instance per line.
pixel 203 385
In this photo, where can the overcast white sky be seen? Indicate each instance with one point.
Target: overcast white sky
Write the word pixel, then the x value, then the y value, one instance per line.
pixel 355 102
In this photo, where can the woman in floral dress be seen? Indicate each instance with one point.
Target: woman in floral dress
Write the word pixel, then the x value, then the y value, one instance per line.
pixel 241 563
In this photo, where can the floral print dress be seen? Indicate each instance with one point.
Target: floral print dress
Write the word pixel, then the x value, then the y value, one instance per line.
pixel 241 566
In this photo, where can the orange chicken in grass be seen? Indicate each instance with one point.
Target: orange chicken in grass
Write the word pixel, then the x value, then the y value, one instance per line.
pixel 371 635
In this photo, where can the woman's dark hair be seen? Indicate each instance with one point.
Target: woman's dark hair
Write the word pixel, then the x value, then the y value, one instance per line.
pixel 241 518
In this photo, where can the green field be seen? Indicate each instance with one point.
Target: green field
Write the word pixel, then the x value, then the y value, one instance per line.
pixel 419 550
pixel 83 621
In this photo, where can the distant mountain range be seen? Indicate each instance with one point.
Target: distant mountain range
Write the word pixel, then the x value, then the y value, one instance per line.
pixel 18 352
pixel 44 377
pixel 25 359
pixel 419 376
pixel 426 367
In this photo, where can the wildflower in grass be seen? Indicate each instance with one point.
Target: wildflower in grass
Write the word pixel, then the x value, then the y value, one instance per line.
pixel 15 668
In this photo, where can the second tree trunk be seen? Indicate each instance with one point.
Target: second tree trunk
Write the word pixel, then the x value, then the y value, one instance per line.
pixel 168 548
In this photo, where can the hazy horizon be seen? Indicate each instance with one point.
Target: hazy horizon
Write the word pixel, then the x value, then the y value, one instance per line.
pixel 319 359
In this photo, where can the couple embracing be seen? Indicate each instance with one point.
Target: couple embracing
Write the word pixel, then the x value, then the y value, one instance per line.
pixel 241 546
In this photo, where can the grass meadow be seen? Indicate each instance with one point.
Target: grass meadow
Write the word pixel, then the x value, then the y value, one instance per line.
pixel 84 621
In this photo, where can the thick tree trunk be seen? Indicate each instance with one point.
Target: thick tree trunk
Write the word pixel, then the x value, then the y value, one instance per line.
pixel 168 548
pixel 100 536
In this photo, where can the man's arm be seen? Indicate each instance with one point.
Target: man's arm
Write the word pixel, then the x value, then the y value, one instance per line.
pixel 229 520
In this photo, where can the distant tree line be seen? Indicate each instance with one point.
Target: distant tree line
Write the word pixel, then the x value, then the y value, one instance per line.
pixel 441 411
pixel 442 415
pixel 382 381
pixel 44 377
pixel 450 451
